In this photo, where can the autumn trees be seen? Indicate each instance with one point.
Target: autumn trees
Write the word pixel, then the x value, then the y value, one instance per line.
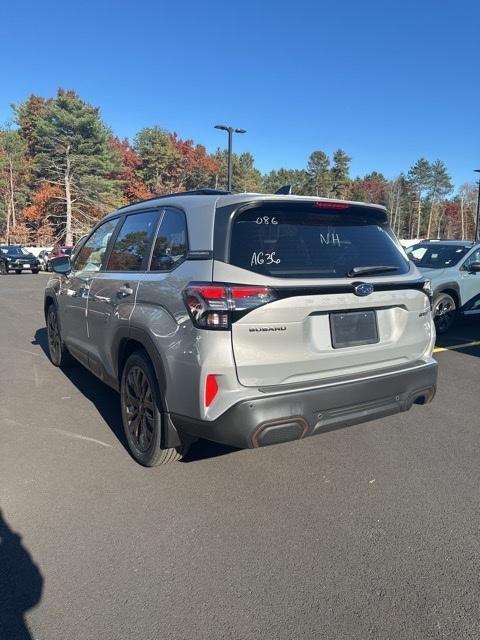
pixel 14 172
pixel 62 168
pixel 72 170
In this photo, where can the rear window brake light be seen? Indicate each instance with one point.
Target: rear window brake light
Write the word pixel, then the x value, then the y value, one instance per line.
pixel 330 205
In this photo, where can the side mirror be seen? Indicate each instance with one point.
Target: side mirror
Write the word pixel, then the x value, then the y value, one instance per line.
pixel 61 264
pixel 474 267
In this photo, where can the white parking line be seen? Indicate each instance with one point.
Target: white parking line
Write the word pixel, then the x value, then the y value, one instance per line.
pixel 69 434
pixel 78 436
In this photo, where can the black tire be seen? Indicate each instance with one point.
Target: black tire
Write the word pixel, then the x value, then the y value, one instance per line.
pixel 142 413
pixel 18 271
pixel 57 350
pixel 3 269
pixel 35 270
pixel 444 312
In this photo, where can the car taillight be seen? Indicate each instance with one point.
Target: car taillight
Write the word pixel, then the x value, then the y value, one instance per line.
pixel 214 306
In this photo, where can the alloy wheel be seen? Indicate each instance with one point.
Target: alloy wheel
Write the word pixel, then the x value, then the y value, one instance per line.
pixel 444 313
pixel 54 340
pixel 139 408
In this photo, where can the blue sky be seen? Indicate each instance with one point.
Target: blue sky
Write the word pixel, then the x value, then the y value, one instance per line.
pixel 387 81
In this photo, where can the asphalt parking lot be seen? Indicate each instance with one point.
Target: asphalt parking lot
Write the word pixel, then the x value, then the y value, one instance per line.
pixel 367 532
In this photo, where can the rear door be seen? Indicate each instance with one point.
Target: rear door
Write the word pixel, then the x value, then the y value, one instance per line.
pixel 313 255
pixel 113 290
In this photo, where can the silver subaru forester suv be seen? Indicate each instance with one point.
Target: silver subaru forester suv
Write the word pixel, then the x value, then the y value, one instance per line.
pixel 245 319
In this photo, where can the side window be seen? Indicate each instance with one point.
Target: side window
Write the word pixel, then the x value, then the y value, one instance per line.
pixel 170 246
pixel 90 255
pixel 417 254
pixel 133 241
pixel 475 257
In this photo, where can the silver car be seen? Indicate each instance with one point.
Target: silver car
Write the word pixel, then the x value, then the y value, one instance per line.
pixel 245 319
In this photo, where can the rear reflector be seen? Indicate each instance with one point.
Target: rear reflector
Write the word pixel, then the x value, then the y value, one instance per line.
pixel 211 389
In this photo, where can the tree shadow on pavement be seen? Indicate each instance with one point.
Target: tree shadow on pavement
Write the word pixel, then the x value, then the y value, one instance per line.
pixel 106 401
pixel 21 584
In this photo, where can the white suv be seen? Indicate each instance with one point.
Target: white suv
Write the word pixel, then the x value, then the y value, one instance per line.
pixel 245 319
pixel 453 267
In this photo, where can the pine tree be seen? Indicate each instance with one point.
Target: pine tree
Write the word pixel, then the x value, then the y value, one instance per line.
pixel 320 179
pixel 27 115
pixel 440 186
pixel 340 173
pixel 420 175
pixel 161 163
pixel 74 152
pixel 297 178
pixel 245 176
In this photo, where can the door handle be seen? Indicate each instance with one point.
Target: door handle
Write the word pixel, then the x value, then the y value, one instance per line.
pixel 124 291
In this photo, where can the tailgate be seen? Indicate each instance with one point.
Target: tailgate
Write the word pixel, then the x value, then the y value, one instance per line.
pixel 290 340
pixel 315 255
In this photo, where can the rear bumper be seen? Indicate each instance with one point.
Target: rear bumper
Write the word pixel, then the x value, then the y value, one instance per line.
pixel 290 416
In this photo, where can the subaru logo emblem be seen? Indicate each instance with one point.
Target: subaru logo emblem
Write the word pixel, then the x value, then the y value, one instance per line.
pixel 363 289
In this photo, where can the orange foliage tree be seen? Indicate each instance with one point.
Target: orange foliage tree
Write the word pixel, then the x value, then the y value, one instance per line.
pixel 133 186
pixel 42 214
pixel 196 168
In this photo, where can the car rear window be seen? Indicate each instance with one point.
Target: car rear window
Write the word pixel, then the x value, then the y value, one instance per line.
pixel 312 241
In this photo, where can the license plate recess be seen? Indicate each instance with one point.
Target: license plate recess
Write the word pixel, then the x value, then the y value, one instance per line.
pixel 353 328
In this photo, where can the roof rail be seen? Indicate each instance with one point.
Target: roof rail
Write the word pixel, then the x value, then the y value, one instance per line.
pixel 196 192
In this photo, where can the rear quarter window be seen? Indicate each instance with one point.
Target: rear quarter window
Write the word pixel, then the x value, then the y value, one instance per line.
pixel 310 242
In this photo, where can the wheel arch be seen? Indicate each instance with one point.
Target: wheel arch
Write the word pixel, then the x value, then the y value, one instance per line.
pixel 131 339
pixel 453 289
pixel 47 303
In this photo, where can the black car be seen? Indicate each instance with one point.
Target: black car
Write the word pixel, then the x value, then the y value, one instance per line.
pixel 18 259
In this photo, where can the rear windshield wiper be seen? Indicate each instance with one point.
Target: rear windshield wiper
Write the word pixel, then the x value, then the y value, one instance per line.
pixel 363 271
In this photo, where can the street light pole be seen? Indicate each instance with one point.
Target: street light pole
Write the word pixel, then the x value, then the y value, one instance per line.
pixel 229 166
pixel 477 223
pixel 230 131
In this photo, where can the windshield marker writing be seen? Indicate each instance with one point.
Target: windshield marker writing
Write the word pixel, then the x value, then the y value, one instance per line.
pixel 331 238
pixel 264 258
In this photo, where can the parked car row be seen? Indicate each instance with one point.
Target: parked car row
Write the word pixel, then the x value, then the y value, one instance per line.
pixel 16 258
